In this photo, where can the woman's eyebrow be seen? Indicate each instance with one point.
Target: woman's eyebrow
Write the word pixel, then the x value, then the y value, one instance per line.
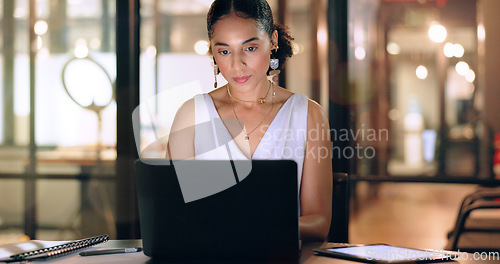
pixel 220 44
pixel 250 40
pixel 244 42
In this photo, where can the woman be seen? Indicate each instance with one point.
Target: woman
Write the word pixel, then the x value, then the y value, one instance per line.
pixel 259 119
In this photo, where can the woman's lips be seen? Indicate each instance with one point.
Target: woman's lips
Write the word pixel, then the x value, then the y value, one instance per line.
pixel 241 79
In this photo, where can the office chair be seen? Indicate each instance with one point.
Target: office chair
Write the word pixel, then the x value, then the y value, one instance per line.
pixel 473 234
pixel 339 227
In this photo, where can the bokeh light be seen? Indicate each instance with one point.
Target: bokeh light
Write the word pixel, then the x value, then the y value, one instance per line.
pixel 437 33
pixel 422 72
pixel 462 68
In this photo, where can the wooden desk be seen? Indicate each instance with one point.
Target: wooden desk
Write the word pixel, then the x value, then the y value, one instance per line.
pixel 307 257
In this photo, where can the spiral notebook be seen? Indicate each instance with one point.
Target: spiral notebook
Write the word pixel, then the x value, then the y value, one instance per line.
pixel 35 249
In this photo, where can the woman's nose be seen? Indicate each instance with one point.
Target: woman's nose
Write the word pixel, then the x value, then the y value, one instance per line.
pixel 238 61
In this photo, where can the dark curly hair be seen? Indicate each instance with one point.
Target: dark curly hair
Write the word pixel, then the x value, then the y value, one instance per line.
pixel 260 11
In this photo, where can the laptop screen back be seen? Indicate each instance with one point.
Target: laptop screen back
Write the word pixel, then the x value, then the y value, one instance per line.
pixel 255 216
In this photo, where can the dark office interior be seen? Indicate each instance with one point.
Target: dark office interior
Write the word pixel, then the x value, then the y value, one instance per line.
pixel 410 87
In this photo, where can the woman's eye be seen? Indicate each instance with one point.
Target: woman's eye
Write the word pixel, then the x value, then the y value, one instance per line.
pixel 251 48
pixel 224 52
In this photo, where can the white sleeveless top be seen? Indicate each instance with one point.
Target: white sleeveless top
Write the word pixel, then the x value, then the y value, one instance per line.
pixel 285 138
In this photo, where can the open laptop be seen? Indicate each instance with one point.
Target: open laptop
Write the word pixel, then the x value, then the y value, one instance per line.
pixel 254 215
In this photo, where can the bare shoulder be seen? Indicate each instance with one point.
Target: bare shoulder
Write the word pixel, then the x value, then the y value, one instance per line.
pixel 184 117
pixel 188 103
pixel 186 108
pixel 316 114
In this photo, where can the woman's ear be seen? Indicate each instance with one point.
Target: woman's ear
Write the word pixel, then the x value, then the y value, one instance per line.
pixel 274 39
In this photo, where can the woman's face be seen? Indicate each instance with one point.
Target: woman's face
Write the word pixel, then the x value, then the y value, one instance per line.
pixel 241 51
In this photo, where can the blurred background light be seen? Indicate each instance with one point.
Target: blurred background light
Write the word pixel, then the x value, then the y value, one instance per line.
pixel 462 68
pixel 81 49
pixel 360 53
pixel 201 47
pixel 481 32
pixel 421 72
pixel 458 50
pixel 448 50
pixel 20 12
pixel 470 76
pixel 39 42
pixel 322 36
pixel 437 33
pixel 151 51
pixel 41 27
pixel 297 48
pixel 393 48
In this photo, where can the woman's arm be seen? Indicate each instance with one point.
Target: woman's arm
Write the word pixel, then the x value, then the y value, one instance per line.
pixel 317 181
pixel 180 144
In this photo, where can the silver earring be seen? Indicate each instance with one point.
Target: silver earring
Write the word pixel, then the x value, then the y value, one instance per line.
pixel 274 63
pixel 216 70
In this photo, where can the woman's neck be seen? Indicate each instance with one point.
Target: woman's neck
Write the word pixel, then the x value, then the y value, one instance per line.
pixel 255 94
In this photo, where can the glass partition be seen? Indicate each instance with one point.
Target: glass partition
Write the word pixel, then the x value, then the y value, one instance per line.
pixel 415 96
pixel 58 120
